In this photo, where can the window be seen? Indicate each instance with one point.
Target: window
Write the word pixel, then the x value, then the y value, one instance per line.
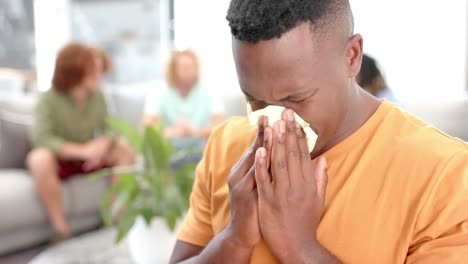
pixel 135 34
pixel 17 49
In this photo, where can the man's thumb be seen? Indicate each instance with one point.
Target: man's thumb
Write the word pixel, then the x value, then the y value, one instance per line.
pixel 321 177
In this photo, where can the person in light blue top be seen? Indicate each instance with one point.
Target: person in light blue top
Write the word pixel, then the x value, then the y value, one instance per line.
pixel 187 111
pixel 370 79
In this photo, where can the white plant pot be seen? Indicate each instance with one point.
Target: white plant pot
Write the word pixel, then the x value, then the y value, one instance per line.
pixel 150 244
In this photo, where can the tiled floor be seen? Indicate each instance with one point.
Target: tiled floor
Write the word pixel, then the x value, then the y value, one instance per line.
pixel 98 245
pixel 22 257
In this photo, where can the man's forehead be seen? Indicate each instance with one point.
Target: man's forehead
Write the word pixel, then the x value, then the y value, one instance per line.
pixel 279 68
pixel 300 36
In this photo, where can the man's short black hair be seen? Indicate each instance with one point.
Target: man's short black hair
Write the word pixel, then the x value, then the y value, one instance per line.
pixel 256 20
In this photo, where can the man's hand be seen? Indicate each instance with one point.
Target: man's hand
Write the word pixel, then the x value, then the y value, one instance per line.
pixel 244 230
pixel 95 153
pixel 291 196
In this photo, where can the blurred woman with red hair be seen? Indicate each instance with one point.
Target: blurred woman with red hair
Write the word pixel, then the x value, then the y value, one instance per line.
pixel 69 135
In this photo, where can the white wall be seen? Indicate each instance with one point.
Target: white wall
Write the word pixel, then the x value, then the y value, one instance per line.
pixel 52 31
pixel 420 44
pixel 201 25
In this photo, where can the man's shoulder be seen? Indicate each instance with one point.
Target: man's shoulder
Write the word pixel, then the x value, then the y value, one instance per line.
pixel 420 141
pixel 228 142
pixel 234 133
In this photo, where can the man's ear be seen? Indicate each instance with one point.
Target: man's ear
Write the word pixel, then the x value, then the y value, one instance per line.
pixel 354 55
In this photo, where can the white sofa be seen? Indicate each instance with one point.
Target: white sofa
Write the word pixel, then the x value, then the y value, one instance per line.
pixel 23 221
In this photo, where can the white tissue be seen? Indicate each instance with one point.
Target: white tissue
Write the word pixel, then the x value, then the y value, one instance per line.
pixel 273 113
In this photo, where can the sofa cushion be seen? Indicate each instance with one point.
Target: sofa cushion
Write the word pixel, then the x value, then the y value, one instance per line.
pixel 19 202
pixel 15 122
pixel 85 195
pixel 448 116
pixel 20 205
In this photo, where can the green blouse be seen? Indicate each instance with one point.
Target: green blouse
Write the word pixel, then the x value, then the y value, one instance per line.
pixel 58 120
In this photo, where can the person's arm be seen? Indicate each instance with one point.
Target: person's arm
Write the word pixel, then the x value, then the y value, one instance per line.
pixel 153 119
pixel 441 229
pixel 235 244
pixel 222 249
pixel 71 151
pixel 196 242
pixel 291 190
pixel 42 134
pixel 217 116
pixel 313 255
pixel 105 130
pixel 152 110
pixel 152 116
pixel 150 120
pixel 93 152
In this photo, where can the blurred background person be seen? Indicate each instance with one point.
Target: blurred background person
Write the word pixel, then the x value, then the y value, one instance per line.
pixel 187 111
pixel 69 135
pixel 371 79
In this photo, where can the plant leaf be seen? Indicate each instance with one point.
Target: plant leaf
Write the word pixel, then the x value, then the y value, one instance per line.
pixel 155 153
pixel 100 174
pixel 184 181
pixel 125 222
pixel 126 182
pixel 184 184
pixel 156 159
pixel 125 187
pixel 174 206
pixel 171 219
pixel 147 215
pixel 106 210
pixel 190 167
pixel 125 129
pixel 129 197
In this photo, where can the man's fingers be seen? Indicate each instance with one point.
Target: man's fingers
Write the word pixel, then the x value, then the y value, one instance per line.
pixel 262 177
pixel 321 178
pixel 306 162
pixel 279 168
pixel 247 160
pixel 267 144
pixel 292 149
pixel 247 184
pixel 249 157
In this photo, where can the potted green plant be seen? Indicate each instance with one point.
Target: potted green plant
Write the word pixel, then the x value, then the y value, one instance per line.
pixel 149 192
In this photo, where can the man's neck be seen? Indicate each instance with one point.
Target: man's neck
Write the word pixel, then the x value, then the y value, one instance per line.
pixel 360 108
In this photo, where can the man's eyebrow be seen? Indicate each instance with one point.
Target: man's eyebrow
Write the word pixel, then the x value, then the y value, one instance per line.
pixel 300 92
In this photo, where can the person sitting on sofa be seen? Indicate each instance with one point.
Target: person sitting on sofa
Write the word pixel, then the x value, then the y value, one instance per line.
pixel 69 134
pixel 370 79
pixel 186 109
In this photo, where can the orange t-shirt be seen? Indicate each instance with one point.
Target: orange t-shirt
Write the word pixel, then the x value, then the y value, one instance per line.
pixel 397 192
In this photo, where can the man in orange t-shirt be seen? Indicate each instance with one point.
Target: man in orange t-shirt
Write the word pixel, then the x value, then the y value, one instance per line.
pixel 380 186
